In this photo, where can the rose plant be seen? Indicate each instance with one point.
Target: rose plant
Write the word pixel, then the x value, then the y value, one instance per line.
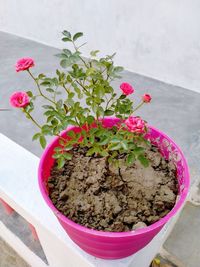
pixel 89 97
pixel 101 149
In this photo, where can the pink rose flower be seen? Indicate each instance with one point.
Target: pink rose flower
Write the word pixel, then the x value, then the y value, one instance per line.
pixel 135 125
pixel 24 64
pixel 146 98
pixel 19 100
pixel 126 88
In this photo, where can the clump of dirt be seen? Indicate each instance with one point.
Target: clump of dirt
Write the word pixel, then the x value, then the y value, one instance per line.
pixel 98 195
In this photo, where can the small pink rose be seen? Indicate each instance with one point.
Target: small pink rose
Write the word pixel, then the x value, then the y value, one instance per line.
pixel 19 100
pixel 126 88
pixel 135 124
pixel 24 64
pixel 146 98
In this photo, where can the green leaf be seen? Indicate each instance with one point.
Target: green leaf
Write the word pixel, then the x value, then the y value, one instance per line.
pixel 46 129
pixel 115 146
pixel 67 156
pixel 68 147
pixel 41 76
pixel 65 63
pixel 58 149
pixel 71 134
pixel 29 93
pixel 77 90
pixel 67 34
pixel 118 69
pixel 58 72
pixel 94 107
pixel 138 150
pixel 122 96
pixel 90 71
pixel 100 111
pixel 144 161
pixel 72 122
pixel 65 108
pixel 43 141
pixel 104 141
pixel 36 136
pixel 130 158
pixel 50 118
pixel 104 153
pixel 108 112
pixel 69 79
pixel 56 155
pixel 83 133
pixel 49 113
pixel 77 35
pixel 47 107
pixel 91 139
pixel 115 140
pixel 67 52
pixel 93 131
pixel 59 104
pixel 119 116
pixel 65 39
pixel 91 151
pixel 61 55
pixel 71 95
pixel 45 83
pixel 90 119
pixel 60 162
pixel 124 145
pixel 99 132
pixel 54 122
pixel 94 53
pixel 50 90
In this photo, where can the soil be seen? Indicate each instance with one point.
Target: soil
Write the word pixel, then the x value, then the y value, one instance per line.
pixel 98 195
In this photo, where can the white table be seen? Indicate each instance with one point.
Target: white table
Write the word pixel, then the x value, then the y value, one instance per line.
pixel 19 188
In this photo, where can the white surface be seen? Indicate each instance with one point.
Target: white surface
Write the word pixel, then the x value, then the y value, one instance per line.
pixel 159 39
pixel 19 188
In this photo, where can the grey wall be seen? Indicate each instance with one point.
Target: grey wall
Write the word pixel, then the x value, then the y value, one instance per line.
pixel 157 38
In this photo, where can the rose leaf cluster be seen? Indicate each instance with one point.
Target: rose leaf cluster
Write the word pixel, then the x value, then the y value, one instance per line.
pixel 89 97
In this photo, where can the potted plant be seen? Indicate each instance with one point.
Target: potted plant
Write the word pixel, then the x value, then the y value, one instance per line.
pixel 112 181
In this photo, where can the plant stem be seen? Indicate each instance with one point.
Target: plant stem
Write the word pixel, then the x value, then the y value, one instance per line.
pixel 138 107
pixel 82 86
pixel 77 121
pixel 31 118
pixel 4 109
pixel 39 89
pixel 80 56
pixel 60 137
pixel 67 90
pixel 81 45
pixel 109 102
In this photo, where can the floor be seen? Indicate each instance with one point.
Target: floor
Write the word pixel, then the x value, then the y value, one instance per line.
pixel 174 110
pixel 20 227
pixel 9 258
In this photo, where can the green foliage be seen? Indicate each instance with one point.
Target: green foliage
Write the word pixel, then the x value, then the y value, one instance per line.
pixel 77 35
pixel 42 141
pixel 89 80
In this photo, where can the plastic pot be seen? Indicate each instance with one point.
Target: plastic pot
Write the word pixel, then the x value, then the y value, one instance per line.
pixel 115 245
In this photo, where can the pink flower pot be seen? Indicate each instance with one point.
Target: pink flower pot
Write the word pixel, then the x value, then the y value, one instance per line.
pixel 115 245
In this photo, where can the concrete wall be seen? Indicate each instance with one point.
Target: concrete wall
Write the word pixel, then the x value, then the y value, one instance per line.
pixel 157 38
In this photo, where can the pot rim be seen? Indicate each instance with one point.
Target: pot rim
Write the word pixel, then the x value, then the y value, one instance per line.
pixel 161 222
